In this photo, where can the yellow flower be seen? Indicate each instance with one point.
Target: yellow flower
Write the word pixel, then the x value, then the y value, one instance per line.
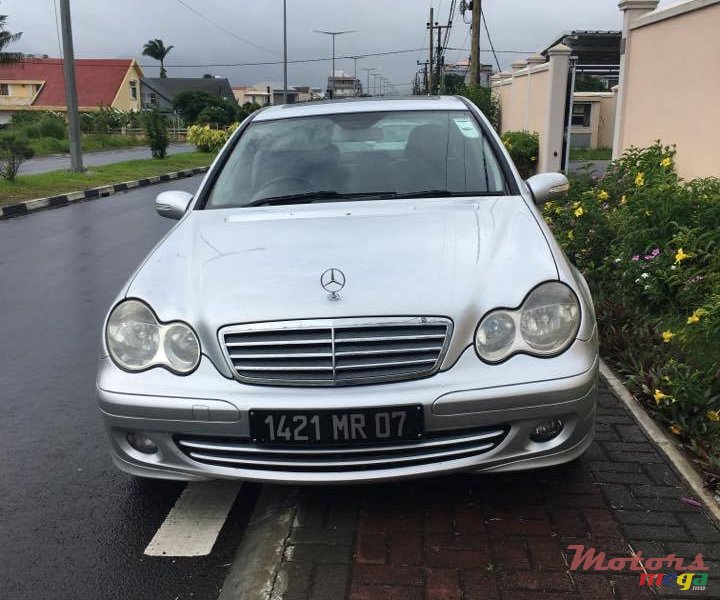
pixel 571 235
pixel 640 179
pixel 667 336
pixel 603 195
pixel 623 200
pixel 695 317
pixel 680 256
pixel 665 162
pixel 659 396
pixel 579 212
pixel 676 429
pixel 713 415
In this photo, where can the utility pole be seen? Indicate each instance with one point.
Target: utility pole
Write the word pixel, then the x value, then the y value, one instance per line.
pixel 71 99
pixel 435 53
pixel 285 54
pixel 424 66
pixel 475 43
pixel 432 51
pixel 439 79
pixel 334 34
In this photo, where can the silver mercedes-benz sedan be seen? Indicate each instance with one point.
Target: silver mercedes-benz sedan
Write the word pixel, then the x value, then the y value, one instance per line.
pixel 359 291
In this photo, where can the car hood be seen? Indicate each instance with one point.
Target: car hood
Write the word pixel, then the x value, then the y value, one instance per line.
pixel 457 258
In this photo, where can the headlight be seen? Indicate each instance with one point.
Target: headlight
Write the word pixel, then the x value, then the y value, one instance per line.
pixel 137 341
pixel 544 325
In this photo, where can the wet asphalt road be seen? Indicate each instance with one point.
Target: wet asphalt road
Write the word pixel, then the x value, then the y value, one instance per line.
pixel 43 164
pixel 71 525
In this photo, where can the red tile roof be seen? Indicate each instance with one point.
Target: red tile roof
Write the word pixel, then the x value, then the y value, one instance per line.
pixel 98 79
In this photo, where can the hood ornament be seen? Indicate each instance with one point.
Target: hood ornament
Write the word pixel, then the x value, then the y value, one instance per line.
pixel 333 280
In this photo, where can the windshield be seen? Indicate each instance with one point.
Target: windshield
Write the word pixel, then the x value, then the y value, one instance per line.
pixel 358 156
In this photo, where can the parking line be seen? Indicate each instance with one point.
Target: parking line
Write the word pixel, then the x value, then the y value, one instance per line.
pixel 194 523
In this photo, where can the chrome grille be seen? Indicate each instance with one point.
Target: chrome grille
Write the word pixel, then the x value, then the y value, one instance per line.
pixel 224 452
pixel 334 352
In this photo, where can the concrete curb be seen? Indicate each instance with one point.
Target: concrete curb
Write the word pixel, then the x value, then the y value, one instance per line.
pixel 31 206
pixel 254 571
pixel 662 440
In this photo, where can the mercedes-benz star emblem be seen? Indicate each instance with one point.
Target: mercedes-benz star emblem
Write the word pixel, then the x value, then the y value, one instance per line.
pixel 333 280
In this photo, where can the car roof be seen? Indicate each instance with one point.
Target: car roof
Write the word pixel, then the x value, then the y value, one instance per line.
pixel 359 105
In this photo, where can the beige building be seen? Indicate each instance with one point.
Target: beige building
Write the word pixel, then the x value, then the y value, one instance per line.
pixel 670 82
pixel 253 95
pixel 593 120
pixel 39 84
pixel 533 98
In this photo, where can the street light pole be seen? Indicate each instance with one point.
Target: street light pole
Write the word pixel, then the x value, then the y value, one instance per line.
pixel 368 71
pixel 375 76
pixel 71 99
pixel 285 53
pixel 334 34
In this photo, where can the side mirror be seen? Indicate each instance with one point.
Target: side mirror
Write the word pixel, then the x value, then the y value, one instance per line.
pixel 172 205
pixel 547 186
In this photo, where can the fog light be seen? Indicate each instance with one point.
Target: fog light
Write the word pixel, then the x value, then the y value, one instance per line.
pixel 547 430
pixel 141 443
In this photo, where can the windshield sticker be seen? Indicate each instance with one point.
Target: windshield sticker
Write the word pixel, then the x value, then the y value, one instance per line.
pixel 466 127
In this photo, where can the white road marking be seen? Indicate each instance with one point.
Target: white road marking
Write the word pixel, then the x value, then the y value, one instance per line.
pixel 194 523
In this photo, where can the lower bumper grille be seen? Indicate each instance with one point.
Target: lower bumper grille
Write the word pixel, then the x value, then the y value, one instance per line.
pixel 228 452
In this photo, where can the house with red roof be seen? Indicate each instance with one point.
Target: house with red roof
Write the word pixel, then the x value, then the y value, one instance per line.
pixel 39 84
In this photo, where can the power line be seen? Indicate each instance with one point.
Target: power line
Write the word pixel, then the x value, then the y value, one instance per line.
pixel 57 27
pixel 305 60
pixel 497 62
pixel 222 28
pixel 98 63
pixel 497 51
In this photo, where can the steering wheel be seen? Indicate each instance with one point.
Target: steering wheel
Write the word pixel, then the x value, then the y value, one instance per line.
pixel 305 183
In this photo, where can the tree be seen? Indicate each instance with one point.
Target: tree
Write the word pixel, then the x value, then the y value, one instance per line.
pixel 7 38
pixel 589 83
pixel 484 98
pixel 156 49
pixel 14 151
pixel 200 106
pixel 156 129
pixel 454 84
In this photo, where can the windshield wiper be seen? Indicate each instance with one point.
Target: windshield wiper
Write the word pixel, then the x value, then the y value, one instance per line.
pixel 439 194
pixel 309 197
pixel 320 195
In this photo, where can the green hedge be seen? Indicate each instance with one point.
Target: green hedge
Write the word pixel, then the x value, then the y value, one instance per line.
pixel 649 245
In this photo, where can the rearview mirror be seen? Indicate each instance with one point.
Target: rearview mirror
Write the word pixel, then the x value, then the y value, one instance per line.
pixel 172 205
pixel 547 186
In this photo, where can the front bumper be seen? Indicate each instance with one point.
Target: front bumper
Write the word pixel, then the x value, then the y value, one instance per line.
pixel 469 397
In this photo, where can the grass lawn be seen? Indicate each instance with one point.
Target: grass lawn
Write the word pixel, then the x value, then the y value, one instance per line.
pixel 29 187
pixel 590 153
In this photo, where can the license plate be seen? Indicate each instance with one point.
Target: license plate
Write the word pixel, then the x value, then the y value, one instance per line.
pixel 340 427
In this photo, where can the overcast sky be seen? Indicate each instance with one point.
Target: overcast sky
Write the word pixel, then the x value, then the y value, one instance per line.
pixel 118 28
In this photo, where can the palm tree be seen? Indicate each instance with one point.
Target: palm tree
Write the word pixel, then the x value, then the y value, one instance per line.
pixel 7 38
pixel 157 50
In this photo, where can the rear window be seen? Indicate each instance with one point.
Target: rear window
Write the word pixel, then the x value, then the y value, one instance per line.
pixel 360 153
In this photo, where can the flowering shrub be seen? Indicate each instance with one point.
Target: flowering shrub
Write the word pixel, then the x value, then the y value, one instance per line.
pixel 523 147
pixel 206 139
pixel 649 246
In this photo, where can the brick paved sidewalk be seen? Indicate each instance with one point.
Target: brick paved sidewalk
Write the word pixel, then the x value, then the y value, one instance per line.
pixel 501 536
